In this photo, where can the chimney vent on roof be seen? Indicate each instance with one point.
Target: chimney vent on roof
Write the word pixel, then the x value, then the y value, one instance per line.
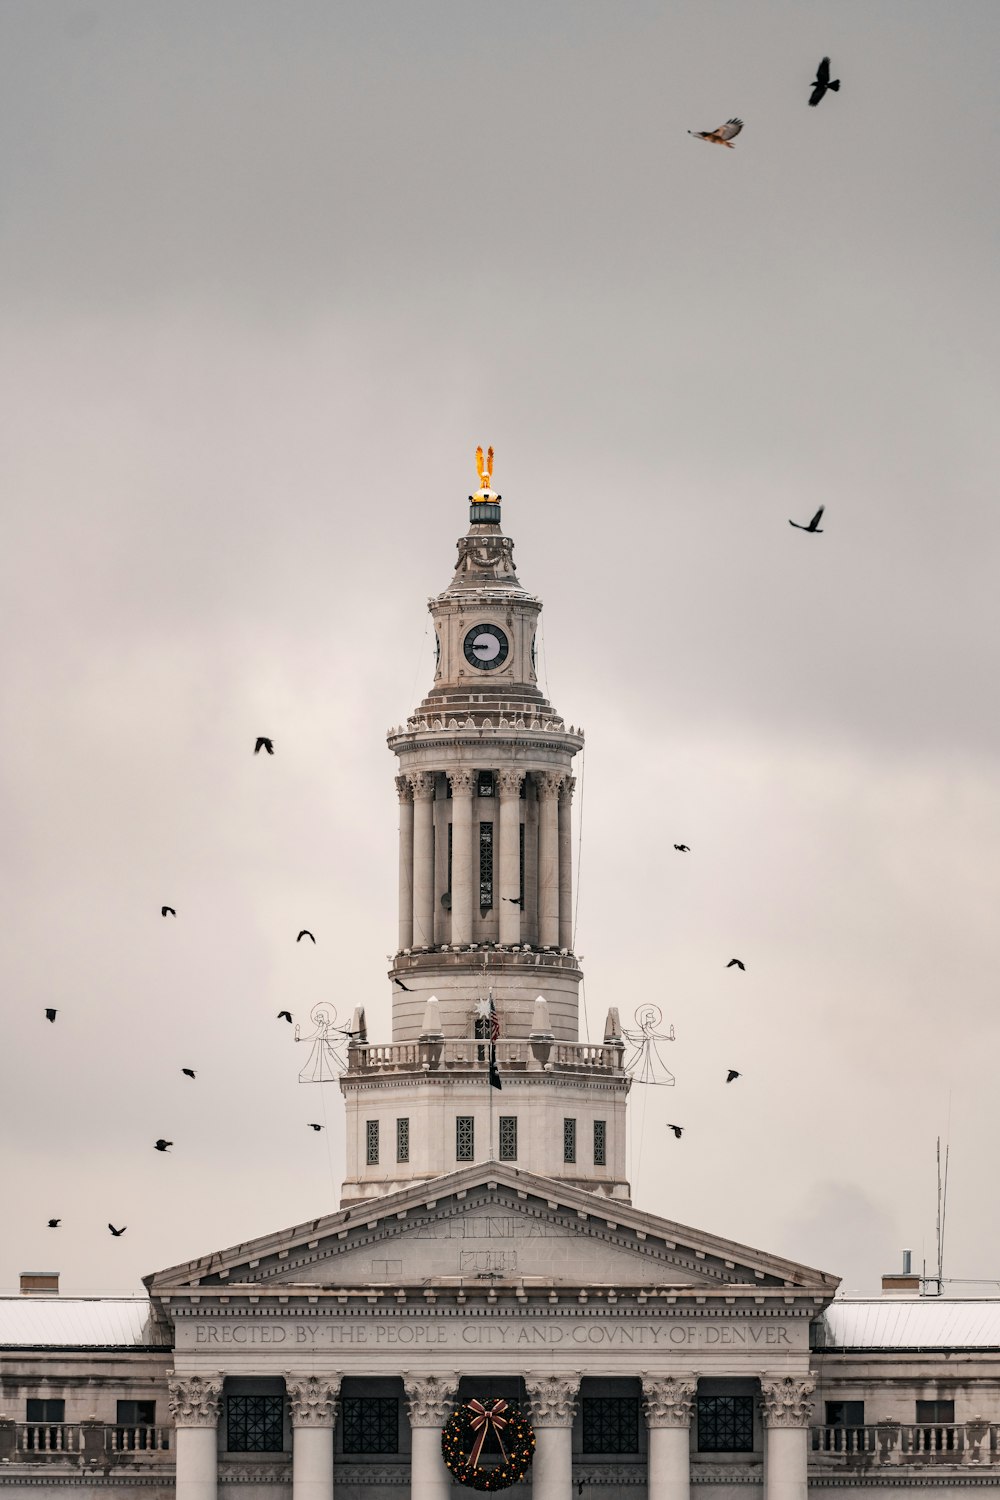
pixel 904 1284
pixel 39 1283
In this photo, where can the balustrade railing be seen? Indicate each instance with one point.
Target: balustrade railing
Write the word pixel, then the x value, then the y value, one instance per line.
pixel 87 1442
pixel 472 1052
pixel 886 1444
pixel 49 1437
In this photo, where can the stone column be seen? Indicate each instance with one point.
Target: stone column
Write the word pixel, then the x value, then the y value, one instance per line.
pixel 461 855
pixel 405 792
pixel 509 883
pixel 313 1401
pixel 430 1400
pixel 787 1410
pixel 566 862
pixel 422 783
pixel 194 1405
pixel 548 859
pixel 553 1403
pixel 668 1402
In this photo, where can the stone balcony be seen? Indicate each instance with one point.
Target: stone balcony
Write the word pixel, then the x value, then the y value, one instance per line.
pixel 82 1444
pixel 889 1444
pixel 468 1055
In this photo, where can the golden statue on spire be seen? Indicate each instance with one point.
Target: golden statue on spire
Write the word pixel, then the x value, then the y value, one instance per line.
pixel 484 468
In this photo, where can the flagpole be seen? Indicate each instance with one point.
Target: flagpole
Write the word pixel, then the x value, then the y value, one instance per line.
pixel 490 1069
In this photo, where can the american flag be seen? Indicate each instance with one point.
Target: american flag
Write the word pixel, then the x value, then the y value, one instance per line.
pixel 494 1032
pixel 494 1020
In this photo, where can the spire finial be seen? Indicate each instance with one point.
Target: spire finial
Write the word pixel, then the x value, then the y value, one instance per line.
pixel 484 468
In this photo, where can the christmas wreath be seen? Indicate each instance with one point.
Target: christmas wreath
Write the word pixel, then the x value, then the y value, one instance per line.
pixel 495 1429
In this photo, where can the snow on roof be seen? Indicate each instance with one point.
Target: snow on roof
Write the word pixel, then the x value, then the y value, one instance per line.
pixel 79 1323
pixel 911 1323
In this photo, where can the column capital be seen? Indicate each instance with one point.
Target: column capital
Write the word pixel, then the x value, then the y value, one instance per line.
pixel 552 1398
pixel 461 783
pixel 668 1400
pixel 567 788
pixel 787 1400
pixel 422 784
pixel 313 1399
pixel 549 783
pixel 430 1398
pixel 510 782
pixel 194 1400
pixel 403 789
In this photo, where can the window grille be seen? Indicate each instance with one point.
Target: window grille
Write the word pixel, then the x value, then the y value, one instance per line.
pixel 600 1143
pixel 610 1424
pixel 725 1424
pixel 402 1140
pixel 485 866
pixel 508 1137
pixel 370 1424
pixel 255 1424
pixel 569 1140
pixel 484 784
pixel 465 1138
pixel 371 1140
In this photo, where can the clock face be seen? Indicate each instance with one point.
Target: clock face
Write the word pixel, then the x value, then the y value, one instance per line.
pixel 486 647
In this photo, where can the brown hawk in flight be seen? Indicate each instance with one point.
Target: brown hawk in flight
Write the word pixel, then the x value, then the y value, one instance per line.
pixel 723 136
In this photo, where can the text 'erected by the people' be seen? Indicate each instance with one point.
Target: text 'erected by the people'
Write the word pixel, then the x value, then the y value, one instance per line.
pixel 497 1333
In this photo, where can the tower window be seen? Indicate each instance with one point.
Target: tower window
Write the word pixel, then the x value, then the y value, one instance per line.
pixel 569 1140
pixel 402 1140
pixel 600 1143
pixel 465 1138
pixel 484 784
pixel 508 1137
pixel 485 866
pixel 371 1141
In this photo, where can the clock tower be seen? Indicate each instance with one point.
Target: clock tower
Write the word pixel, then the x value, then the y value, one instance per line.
pixel 485 786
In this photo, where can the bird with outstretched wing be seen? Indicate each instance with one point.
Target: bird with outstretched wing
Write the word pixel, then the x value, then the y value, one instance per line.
pixel 823 81
pixel 723 136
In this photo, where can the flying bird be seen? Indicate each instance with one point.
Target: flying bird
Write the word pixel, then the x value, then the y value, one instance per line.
pixel 737 961
pixel 823 82
pixel 813 524
pixel 54 1223
pixel 167 911
pixel 162 1145
pixel 682 848
pixel 305 933
pixel 677 1129
pixel 515 899
pixel 263 743
pixel 284 1015
pixel 402 986
pixel 314 1127
pixel 732 1074
pixel 50 1014
pixel 117 1232
pixel 188 1072
pixel 723 136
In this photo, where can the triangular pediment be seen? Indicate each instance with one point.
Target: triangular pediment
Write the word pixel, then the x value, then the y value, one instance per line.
pixel 488 1226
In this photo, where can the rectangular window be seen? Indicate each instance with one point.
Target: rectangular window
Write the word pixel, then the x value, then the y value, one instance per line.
pixel 255 1424
pixel 371 1142
pixel 370 1424
pixel 600 1143
pixel 43 1438
pixel 844 1431
pixel 610 1424
pixel 484 784
pixel 845 1414
pixel 725 1424
pixel 402 1140
pixel 136 1426
pixel 485 866
pixel 569 1140
pixel 936 1417
pixel 508 1137
pixel 465 1138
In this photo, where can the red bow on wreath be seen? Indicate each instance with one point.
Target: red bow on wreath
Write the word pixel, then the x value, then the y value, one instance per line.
pixel 486 1419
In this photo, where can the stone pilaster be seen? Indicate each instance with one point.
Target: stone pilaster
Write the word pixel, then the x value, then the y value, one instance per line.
pixel 787 1407
pixel 668 1401
pixel 422 783
pixel 548 784
pixel 405 794
pixel 566 862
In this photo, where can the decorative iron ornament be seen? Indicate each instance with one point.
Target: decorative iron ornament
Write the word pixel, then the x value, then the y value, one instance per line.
pixel 255 1424
pixel 492 1429
pixel 324 1063
pixel 644 1063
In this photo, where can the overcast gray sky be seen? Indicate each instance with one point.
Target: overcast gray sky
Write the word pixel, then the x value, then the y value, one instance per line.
pixel 269 274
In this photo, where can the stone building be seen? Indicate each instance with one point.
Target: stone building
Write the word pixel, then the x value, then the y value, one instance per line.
pixel 486 1245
